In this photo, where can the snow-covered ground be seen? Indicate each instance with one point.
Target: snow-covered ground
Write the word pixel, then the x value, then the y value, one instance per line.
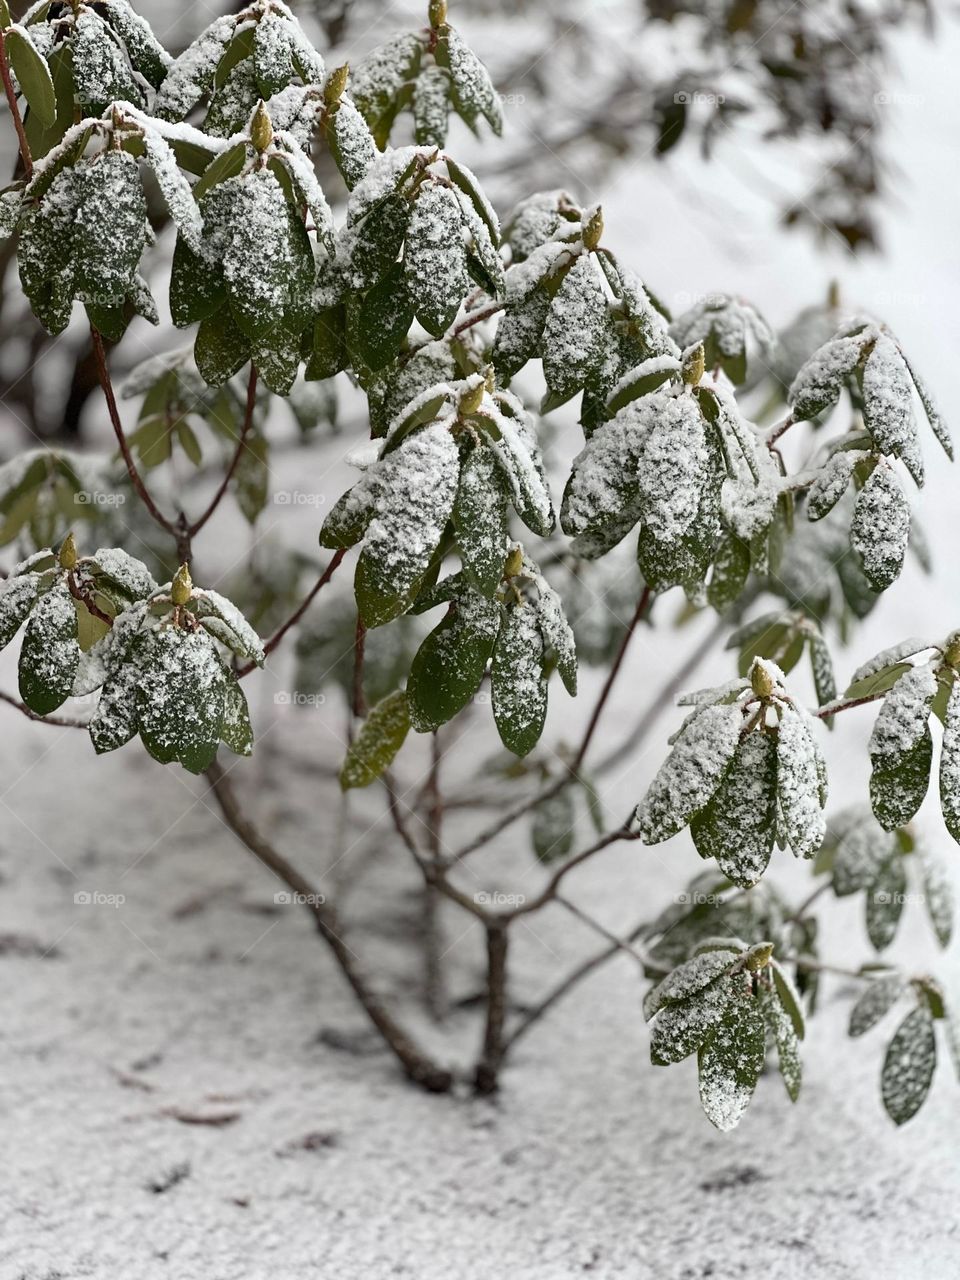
pixel 187 1089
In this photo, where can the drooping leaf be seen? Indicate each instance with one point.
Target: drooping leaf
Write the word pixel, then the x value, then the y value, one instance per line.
pixel 379 739
pixel 908 1066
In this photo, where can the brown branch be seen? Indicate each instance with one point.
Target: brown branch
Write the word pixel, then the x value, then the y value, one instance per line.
pixel 32 715
pixel 416 1065
pixel 642 606
pixel 433 975
pixel 486 1075
pixel 201 520
pixel 14 106
pixel 834 708
pixel 612 837
pixel 103 373
pixel 485 313
pixel 359 701
pixel 297 613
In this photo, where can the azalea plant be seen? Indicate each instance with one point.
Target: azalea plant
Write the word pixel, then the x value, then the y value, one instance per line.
pixel 402 281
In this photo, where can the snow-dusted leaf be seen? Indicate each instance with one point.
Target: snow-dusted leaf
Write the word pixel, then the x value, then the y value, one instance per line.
pixel 820 380
pixel 114 722
pixel 937 896
pixel 557 633
pixel 234 630
pixel 50 652
pixel 574 329
pixel 824 680
pixel 181 699
pixel 784 1035
pixel 789 998
pixel 886 659
pixel 435 257
pixel 908 1066
pixel 174 187
pixel 192 74
pixel 738 825
pixel 885 900
pixel 688 979
pixel 601 502
pixel 681 1028
pixel 380 737
pixel 418 483
pixel 799 783
pixel 901 748
pixel 518 684
pixel 351 142
pixel 450 664
pixel 831 482
pixel 859 855
pixel 730 1062
pixel 673 458
pixel 950 765
pixel 18 593
pixel 512 439
pixel 430 106
pixel 691 773
pixel 472 89
pixel 236 731
pixel 937 425
pixel 888 400
pixel 480 519
pixel 880 528
pixel 32 72
pixel 877 998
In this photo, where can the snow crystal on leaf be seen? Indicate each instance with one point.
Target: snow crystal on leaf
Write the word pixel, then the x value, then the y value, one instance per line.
pixel 880 528
pixel 174 187
pixel 575 327
pixel 818 384
pixel 691 976
pixel 730 1063
pixel 909 1065
pixel 680 1029
pixel 799 783
pixel 890 657
pixel 950 765
pixel 903 717
pixel 672 459
pixel 831 482
pixel 888 399
pixel 191 76
pixel 690 774
pixel 247 640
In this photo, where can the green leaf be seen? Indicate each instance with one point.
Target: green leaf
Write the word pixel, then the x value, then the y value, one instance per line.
pixel 518 684
pixel 236 731
pixel 480 519
pixel 688 979
pixel 181 699
pixel 553 826
pixel 738 825
pixel 114 722
pixel 197 288
pixel 220 349
pixel 380 738
pixel 18 595
pixel 877 998
pixel 731 568
pixel 937 896
pixel 897 789
pixel 50 653
pixel 730 1063
pixel 885 900
pixel 878 681
pixel 384 319
pixel 908 1066
pixel 251 479
pixel 227 165
pixel 950 765
pixel 681 1028
pixel 33 75
pixel 450 664
pixel 824 680
pixel 376 241
pixel 328 352
pixel 434 258
pixel 785 1037
pixel 789 998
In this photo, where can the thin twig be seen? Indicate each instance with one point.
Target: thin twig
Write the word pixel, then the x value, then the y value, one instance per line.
pixel 433 948
pixel 32 715
pixel 597 927
pixel 359 701
pixel 416 1064
pixel 612 837
pixel 486 1075
pixel 201 520
pixel 14 106
pixel 103 373
pixel 297 613
pixel 834 708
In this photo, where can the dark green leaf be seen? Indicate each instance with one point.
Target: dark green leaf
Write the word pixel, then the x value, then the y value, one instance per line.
pixel 380 738
pixel 908 1067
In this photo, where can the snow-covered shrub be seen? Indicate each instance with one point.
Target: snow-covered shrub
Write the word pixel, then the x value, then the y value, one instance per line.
pixel 414 292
